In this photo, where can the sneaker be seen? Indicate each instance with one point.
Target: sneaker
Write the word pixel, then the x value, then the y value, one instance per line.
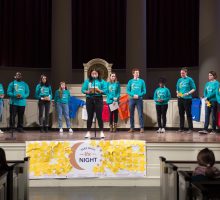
pixel 203 132
pixel 87 135
pixel 102 134
pixel 61 130
pixel 1 131
pixel 20 130
pixel 163 130
pixel 131 130
pixel 213 132
pixel 159 130
pixel 189 131
pixel 180 130
pixel 142 130
pixel 70 131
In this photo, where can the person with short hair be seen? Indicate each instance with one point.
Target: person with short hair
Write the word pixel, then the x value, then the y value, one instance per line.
pixel 136 89
pixel 211 105
pixel 185 87
pixel 43 93
pixel 161 97
pixel 18 91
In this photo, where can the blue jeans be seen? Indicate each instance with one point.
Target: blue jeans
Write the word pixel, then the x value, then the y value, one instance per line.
pixel 139 104
pixel 63 110
pixel 208 110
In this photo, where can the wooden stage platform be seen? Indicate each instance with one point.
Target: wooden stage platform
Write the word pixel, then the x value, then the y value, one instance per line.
pixel 150 136
pixel 171 145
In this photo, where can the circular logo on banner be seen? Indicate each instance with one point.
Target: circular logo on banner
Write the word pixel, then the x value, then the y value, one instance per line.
pixel 84 156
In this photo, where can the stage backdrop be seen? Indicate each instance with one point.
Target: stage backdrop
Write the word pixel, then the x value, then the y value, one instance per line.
pixel 92 158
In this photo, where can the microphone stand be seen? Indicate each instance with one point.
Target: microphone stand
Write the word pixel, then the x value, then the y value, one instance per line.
pixel 93 96
pixel 12 137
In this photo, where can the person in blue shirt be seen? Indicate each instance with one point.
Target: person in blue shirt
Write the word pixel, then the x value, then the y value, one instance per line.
pixel 61 99
pixel 2 94
pixel 211 102
pixel 185 87
pixel 136 89
pixel 94 88
pixel 161 98
pixel 113 91
pixel 18 91
pixel 43 93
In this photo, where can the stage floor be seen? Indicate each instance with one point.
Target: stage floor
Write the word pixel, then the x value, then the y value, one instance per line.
pixel 150 136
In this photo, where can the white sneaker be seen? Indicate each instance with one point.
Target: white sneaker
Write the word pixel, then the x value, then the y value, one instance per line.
pixel 87 135
pixel 163 130
pixel 159 130
pixel 70 131
pixel 1 131
pixel 102 134
pixel 61 130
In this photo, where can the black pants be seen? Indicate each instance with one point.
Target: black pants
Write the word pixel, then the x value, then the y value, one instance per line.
pixel 161 112
pixel 14 110
pixel 44 108
pixel 184 105
pixel 113 116
pixel 94 105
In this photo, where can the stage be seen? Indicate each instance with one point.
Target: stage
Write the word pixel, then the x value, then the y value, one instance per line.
pixel 171 145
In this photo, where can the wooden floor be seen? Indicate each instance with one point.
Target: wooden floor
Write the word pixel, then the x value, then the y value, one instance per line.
pixel 150 136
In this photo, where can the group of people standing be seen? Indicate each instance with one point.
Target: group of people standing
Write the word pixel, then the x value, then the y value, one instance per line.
pixel 18 91
pixel 95 87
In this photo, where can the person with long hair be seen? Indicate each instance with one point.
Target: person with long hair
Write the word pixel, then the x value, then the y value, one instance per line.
pixel 113 91
pixel 185 87
pixel 94 88
pixel 18 91
pixel 2 94
pixel 136 89
pixel 61 99
pixel 206 168
pixel 161 97
pixel 43 93
pixel 211 105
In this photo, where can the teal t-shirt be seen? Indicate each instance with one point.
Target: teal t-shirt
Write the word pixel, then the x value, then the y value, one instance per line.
pixel 64 98
pixel 218 94
pixel 162 93
pixel 1 91
pixel 113 90
pixel 100 84
pixel 136 87
pixel 43 91
pixel 184 85
pixel 18 88
pixel 210 90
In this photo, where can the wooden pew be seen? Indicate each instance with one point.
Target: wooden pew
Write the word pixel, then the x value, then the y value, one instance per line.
pixel 3 184
pixel 19 178
pixel 169 177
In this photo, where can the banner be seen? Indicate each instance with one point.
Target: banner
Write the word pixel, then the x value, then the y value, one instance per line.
pixel 90 158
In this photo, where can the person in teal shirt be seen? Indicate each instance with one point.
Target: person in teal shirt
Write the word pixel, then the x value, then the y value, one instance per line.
pixel 43 93
pixel 113 91
pixel 61 99
pixel 161 97
pixel 211 102
pixel 136 89
pixel 185 87
pixel 2 94
pixel 94 88
pixel 18 91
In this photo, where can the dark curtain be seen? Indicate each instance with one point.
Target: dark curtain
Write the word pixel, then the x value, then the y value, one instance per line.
pixel 25 33
pixel 172 33
pixel 99 31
